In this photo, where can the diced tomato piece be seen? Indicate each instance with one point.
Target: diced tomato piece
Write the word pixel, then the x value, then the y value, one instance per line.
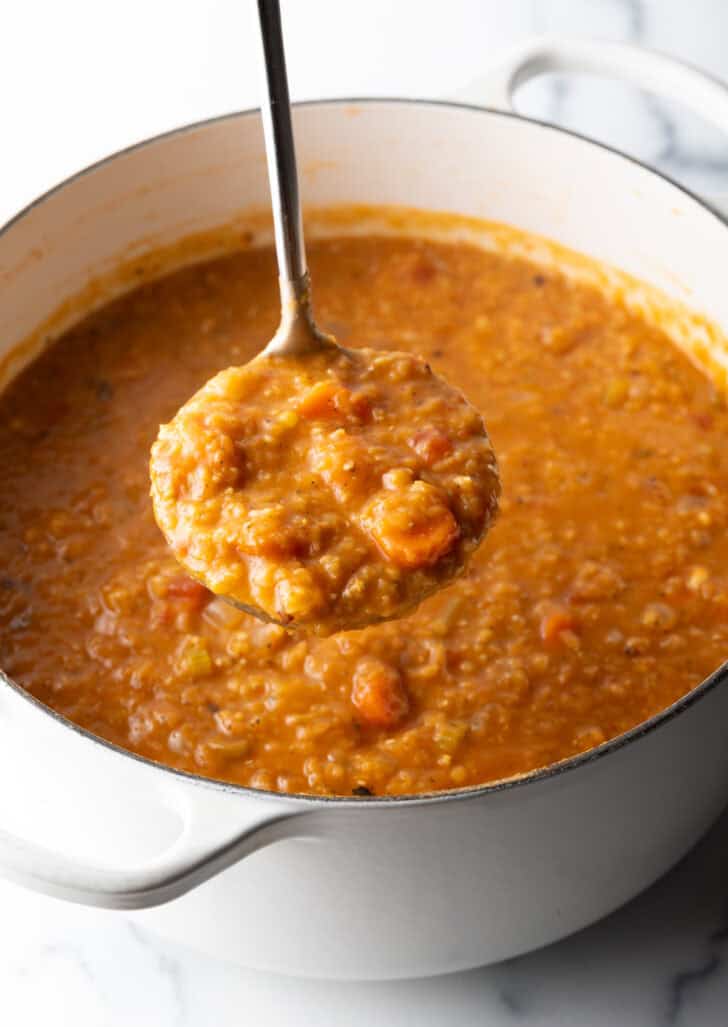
pixel 431 445
pixel 268 532
pixel 182 587
pixel 704 421
pixel 424 271
pixel 161 613
pixel 360 406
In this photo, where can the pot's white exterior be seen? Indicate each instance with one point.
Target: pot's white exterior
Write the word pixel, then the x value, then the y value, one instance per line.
pixel 365 888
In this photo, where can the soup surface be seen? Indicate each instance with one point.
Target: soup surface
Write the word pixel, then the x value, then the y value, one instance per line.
pixel 599 597
pixel 328 490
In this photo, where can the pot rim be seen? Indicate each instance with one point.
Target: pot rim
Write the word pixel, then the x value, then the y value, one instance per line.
pixel 553 770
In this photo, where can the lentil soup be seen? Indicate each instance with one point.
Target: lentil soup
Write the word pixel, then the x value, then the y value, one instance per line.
pixel 599 597
pixel 328 490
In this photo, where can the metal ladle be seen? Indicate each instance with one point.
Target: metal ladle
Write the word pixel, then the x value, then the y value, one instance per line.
pixel 297 332
pixel 297 335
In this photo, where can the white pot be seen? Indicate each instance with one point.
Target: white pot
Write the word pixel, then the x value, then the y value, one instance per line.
pixel 370 888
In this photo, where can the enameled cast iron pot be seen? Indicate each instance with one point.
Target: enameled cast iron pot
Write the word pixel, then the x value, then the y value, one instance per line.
pixel 380 887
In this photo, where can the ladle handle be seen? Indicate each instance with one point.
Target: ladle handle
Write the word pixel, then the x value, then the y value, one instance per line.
pixel 281 156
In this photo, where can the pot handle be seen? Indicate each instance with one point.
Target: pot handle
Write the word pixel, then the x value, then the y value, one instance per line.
pixel 183 867
pixel 655 72
pixel 215 828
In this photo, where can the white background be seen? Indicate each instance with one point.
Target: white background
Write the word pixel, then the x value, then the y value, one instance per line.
pixel 81 78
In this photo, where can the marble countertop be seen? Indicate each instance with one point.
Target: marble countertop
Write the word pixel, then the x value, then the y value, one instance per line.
pixel 661 961
pixel 98 77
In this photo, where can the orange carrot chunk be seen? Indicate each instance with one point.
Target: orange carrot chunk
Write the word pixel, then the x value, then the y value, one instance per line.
pixel 378 692
pixel 557 619
pixel 431 445
pixel 330 400
pixel 413 526
pixel 319 402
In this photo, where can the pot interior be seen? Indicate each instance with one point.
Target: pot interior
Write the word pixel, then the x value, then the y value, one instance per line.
pixel 110 225
pixel 485 177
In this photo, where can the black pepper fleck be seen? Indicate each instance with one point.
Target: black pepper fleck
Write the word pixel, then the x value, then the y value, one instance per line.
pixel 104 390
